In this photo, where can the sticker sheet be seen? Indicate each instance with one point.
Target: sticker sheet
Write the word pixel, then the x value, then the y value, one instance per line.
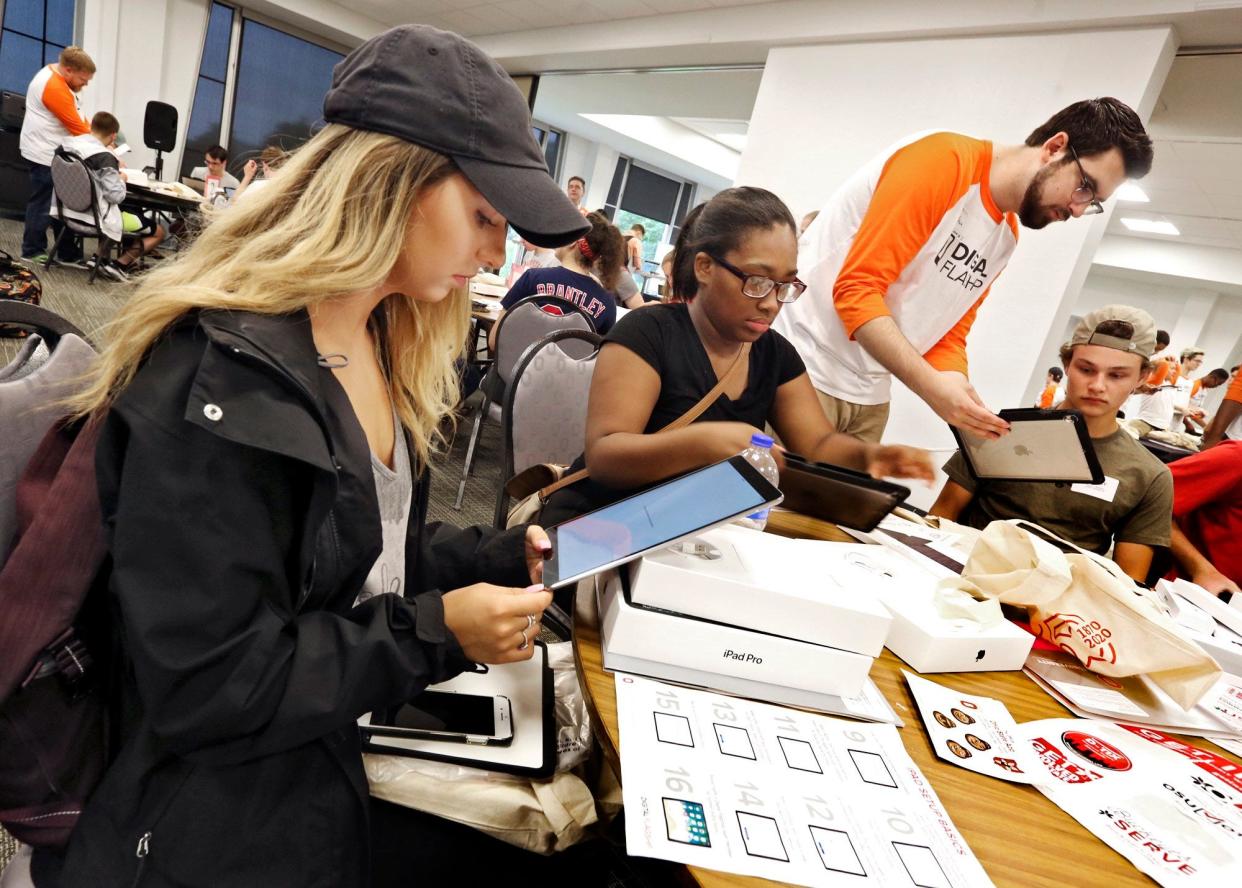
pixel 1171 809
pixel 761 790
pixel 975 733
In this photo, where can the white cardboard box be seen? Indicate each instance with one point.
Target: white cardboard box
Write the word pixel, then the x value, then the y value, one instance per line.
pixel 1224 647
pixel 706 647
pixel 919 634
pixel 1229 614
pixel 767 583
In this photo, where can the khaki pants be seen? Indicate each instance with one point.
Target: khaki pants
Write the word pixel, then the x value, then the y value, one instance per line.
pixel 864 421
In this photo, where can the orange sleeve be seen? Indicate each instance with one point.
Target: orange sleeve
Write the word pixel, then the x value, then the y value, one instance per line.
pixel 950 352
pixel 1158 373
pixel 1234 392
pixel 918 184
pixel 58 98
pixel 1194 389
pixel 1045 400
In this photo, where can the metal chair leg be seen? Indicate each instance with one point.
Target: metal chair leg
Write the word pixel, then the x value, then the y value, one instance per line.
pixel 502 508
pixel 51 256
pixel 474 440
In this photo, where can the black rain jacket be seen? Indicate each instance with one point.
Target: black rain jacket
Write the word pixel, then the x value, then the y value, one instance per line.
pixel 241 514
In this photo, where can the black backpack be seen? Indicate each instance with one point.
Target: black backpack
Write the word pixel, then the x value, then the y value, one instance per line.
pixel 54 635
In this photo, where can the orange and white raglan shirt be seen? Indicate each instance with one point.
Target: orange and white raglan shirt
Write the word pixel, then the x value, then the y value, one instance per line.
pixel 52 115
pixel 914 235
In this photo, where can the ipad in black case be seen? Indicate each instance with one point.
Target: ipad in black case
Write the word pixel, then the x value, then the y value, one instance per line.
pixel 842 496
pixel 1042 445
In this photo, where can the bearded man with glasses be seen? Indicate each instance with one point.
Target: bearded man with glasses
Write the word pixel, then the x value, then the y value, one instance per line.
pixel 898 262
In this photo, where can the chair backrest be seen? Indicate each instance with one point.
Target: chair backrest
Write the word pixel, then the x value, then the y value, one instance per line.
pixel 545 406
pixel 530 320
pixel 47 369
pixel 72 182
pixel 12 109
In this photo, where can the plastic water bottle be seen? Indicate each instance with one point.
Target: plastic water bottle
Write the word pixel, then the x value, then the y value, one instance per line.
pixel 759 455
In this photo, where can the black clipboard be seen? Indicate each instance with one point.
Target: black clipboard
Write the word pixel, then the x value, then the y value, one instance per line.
pixel 1042 446
pixel 838 495
pixel 489 758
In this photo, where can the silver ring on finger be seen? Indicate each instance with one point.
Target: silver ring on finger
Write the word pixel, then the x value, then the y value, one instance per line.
pixel 525 642
pixel 530 621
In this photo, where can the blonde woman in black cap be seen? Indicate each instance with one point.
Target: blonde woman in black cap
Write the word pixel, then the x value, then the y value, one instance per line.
pixel 269 403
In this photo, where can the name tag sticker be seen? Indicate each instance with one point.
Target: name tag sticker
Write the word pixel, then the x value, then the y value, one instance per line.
pixel 1106 491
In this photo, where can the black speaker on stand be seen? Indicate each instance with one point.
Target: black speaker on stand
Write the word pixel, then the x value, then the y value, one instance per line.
pixel 159 131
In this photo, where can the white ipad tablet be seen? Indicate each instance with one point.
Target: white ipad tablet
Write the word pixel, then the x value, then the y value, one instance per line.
pixel 655 518
pixel 1042 445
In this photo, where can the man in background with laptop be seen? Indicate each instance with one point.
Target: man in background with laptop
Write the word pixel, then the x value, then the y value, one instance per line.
pixel 1108 355
pixel 213 167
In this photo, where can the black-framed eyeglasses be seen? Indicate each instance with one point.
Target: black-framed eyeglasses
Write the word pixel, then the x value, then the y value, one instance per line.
pixel 757 286
pixel 1084 193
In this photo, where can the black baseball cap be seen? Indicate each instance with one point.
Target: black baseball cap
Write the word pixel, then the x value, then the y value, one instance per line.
pixel 437 89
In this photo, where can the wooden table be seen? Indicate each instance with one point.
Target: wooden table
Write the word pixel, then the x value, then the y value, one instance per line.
pixel 1022 839
pixel 482 321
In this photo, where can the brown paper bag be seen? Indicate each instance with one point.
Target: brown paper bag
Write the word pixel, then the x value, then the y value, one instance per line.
pixel 1088 607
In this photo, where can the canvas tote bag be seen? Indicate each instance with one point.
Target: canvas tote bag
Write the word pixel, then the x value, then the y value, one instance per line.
pixel 1087 606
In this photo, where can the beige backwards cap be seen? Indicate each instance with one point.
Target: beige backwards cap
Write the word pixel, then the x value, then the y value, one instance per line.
pixel 1140 341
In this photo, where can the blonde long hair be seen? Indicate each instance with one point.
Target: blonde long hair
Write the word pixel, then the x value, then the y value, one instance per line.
pixel 333 222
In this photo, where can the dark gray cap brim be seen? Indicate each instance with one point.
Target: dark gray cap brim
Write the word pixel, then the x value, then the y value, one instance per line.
pixel 529 199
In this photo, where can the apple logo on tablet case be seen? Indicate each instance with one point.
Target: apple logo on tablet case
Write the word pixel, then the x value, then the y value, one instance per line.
pixel 1022 450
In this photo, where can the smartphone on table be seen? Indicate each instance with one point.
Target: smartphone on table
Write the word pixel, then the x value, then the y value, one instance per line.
pixel 446 715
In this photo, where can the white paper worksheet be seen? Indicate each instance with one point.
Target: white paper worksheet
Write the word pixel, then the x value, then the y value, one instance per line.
pixel 762 790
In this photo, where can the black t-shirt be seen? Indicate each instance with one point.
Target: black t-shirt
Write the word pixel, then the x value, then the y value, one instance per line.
pixel 664 337
pixel 583 291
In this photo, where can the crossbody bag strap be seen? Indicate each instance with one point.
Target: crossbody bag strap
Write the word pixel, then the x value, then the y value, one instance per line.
pixel 739 361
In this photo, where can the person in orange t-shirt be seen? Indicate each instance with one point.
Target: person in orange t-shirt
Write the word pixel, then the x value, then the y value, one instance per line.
pixel 1228 419
pixel 1053 394
pixel 52 115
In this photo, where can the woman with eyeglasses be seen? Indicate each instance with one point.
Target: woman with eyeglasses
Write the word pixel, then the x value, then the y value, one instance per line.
pixel 736 264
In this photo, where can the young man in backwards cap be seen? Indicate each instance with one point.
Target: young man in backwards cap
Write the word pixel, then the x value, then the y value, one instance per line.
pixel 1131 512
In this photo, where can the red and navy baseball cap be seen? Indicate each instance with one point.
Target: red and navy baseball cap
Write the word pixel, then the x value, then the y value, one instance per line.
pixel 437 89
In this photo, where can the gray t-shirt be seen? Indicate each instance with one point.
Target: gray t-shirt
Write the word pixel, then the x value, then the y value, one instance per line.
pixel 394 488
pixel 1138 510
pixel 227 179
pixel 626 288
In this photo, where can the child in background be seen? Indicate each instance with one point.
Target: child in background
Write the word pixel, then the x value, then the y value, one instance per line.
pixel 95 150
pixel 1052 394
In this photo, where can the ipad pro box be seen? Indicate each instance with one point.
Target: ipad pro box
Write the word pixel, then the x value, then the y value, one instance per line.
pixel 741 577
pixel 632 632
